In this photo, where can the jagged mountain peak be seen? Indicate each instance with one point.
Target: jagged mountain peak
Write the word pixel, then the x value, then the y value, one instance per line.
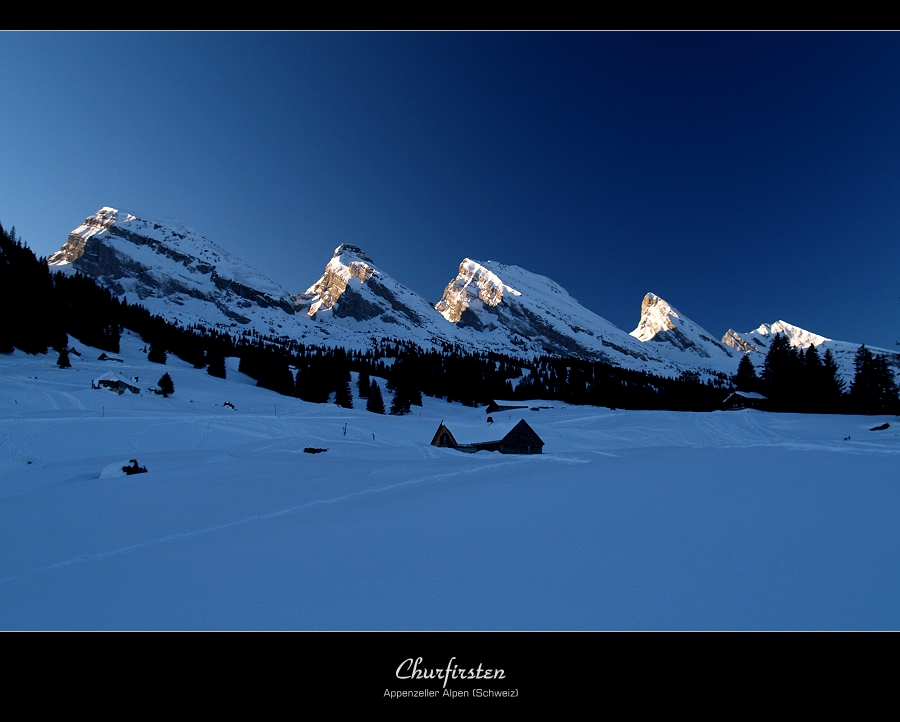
pixel 348 262
pixel 353 296
pixel 758 340
pixel 349 252
pixel 474 281
pixel 667 328
pixel 656 316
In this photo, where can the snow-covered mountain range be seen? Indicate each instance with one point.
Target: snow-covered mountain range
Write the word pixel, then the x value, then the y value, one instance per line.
pixel 489 306
pixel 756 343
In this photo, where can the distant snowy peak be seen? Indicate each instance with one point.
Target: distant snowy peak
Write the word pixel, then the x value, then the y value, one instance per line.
pixel 758 340
pixel 170 269
pixel 662 324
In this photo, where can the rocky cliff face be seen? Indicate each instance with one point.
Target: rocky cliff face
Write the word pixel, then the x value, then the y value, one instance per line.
pixel 348 262
pixel 474 282
pixel 516 311
pixel 354 295
pixel 672 331
pixel 166 266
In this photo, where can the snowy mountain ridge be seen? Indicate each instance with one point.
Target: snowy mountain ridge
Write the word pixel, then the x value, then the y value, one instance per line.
pixel 172 270
pixel 538 316
pixel 473 281
pixel 489 306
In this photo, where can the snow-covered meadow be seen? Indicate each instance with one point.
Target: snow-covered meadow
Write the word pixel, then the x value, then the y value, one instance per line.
pixel 634 520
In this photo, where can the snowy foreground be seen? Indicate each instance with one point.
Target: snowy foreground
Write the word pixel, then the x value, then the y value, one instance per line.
pixel 635 520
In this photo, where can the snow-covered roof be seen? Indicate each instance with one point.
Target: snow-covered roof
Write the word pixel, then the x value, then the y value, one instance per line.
pixel 113 376
pixel 486 433
pixel 748 395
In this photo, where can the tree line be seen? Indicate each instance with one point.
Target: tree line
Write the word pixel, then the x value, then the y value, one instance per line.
pixel 800 380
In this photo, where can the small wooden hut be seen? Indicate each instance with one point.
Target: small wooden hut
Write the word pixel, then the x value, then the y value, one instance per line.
pixel 520 439
pixel 444 437
pixel 115 383
pixel 744 400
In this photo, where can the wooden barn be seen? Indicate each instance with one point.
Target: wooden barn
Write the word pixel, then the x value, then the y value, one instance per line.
pixel 519 439
pixel 115 383
pixel 744 400
pixel 443 437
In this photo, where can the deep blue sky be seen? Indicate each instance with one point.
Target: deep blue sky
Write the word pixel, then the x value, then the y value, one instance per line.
pixel 745 178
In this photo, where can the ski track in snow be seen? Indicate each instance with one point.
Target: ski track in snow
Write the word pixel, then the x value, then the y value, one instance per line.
pixel 297 508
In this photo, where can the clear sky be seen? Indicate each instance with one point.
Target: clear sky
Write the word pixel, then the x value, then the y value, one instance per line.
pixel 743 177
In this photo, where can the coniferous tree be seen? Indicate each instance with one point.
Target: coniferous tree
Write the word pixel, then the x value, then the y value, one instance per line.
pixel 109 338
pixel 401 402
pixel 746 379
pixel 874 390
pixel 781 374
pixel 861 391
pixel 833 386
pixel 275 374
pixel 812 381
pixel 216 365
pixel 375 402
pixel 303 384
pixel 343 396
pixel 166 386
pixel 363 384
pixel 157 353
pixel 63 361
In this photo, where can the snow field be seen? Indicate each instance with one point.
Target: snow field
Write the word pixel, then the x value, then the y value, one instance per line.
pixel 630 520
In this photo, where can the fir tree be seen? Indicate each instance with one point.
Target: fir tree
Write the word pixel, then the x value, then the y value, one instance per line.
pixel 812 381
pixel 363 384
pixel 781 374
pixel 216 365
pixel 275 374
pixel 401 402
pixel 166 386
pixel 874 390
pixel 375 402
pixel 63 360
pixel 746 379
pixel 343 396
pixel 833 386
pixel 157 353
